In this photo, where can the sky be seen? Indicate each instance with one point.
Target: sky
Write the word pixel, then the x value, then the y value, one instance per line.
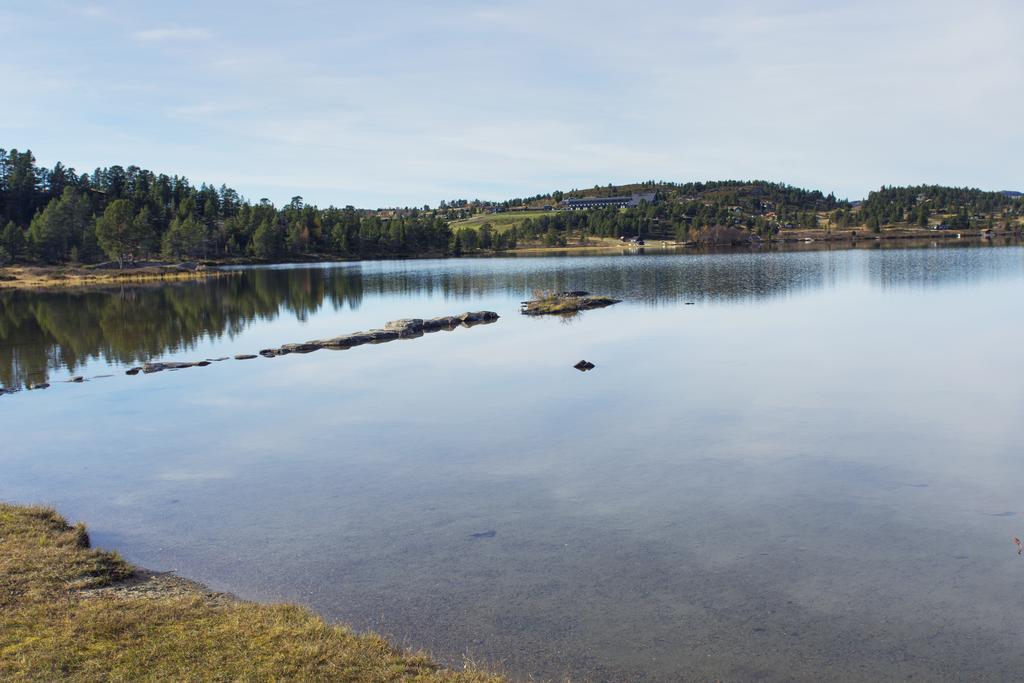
pixel 391 103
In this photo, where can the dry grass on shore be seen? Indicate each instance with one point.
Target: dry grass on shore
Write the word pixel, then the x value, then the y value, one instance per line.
pixel 45 277
pixel 69 612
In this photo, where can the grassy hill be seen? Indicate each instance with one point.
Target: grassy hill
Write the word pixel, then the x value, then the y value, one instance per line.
pixel 745 210
pixel 501 222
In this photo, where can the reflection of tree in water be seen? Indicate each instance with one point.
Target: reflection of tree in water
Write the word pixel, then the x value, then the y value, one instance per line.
pixel 651 278
pixel 923 268
pixel 43 330
pixel 134 324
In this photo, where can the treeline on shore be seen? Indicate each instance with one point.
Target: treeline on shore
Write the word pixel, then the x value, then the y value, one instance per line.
pixel 132 214
pixel 58 215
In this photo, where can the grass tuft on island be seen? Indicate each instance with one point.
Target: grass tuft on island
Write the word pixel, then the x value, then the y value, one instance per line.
pixel 564 303
pixel 70 612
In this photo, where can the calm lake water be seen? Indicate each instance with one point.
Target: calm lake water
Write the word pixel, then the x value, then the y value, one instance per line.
pixel 814 471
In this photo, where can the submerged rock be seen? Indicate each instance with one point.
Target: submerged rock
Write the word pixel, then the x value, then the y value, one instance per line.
pixel 490 533
pixel 448 322
pixel 268 353
pixel 150 368
pixel 305 347
pixel 407 327
pixel 245 356
pixel 347 341
pixel 77 379
pixel 379 336
pixel 133 371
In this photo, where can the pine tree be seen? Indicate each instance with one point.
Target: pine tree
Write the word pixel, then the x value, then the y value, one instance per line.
pixel 59 226
pixel 186 238
pixel 12 239
pixel 120 233
pixel 268 240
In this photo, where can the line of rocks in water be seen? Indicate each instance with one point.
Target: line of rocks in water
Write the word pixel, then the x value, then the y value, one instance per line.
pixel 406 328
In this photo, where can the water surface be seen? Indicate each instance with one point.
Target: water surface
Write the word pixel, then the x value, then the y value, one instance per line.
pixel 813 471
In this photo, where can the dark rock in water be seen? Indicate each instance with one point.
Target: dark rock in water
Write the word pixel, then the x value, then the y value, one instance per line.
pixel 380 336
pixel 167 365
pixel 77 379
pixel 484 534
pixel 217 360
pixel 149 368
pixel 305 347
pixel 245 356
pixel 268 353
pixel 347 341
pixel 39 385
pixel 133 371
pixel 448 322
pixel 201 363
pixel 584 365
pixel 477 316
pixel 689 303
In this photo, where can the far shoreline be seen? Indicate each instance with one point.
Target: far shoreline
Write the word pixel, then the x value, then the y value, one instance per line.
pixel 28 277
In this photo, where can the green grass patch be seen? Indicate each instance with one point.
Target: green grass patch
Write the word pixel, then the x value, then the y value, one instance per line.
pixel 499 221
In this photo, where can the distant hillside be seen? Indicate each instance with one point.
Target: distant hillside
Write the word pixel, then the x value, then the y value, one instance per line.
pixel 738 210
pixel 747 194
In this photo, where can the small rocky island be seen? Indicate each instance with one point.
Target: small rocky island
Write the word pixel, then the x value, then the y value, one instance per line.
pixel 564 303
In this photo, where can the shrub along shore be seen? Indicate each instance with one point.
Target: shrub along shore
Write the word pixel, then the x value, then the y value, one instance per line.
pixel 71 612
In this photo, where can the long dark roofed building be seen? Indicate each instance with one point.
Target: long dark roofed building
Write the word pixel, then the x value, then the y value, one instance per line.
pixel 636 199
